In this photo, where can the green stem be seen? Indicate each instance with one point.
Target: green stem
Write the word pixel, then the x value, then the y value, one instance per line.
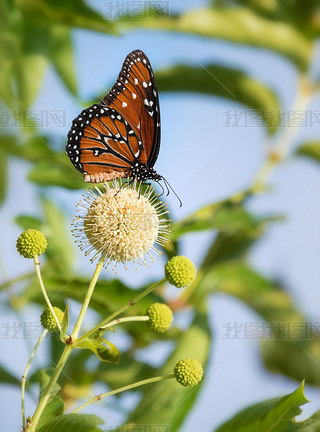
pixel 87 300
pixel 125 319
pixel 25 374
pixel 44 292
pixel 121 389
pixel 119 311
pixel 46 395
pixel 66 353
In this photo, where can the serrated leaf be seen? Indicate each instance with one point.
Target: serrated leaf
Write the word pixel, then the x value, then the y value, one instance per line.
pixel 233 84
pixel 73 423
pixel 310 150
pixel 53 409
pixel 274 415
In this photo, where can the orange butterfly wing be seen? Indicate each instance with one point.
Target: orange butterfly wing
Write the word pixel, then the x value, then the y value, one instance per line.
pixel 107 139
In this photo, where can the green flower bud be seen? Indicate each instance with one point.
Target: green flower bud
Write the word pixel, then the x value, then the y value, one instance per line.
pixel 31 242
pixel 160 317
pixel 47 319
pixel 188 372
pixel 180 271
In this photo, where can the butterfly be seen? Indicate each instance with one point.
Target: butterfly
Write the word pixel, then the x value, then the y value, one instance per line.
pixel 120 136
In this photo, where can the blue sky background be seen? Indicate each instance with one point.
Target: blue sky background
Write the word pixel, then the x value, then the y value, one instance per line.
pixel 204 162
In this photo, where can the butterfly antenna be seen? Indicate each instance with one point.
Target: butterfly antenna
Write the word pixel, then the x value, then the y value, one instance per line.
pixel 168 185
pixel 161 188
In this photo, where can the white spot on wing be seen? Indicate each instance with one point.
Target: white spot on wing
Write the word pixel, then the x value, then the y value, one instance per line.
pixel 124 104
pixel 134 95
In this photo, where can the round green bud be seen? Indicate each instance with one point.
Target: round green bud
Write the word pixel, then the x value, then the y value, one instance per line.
pixel 31 242
pixel 180 271
pixel 160 317
pixel 47 319
pixel 188 372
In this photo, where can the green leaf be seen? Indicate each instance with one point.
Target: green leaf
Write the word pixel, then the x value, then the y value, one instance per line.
pixel 65 323
pixel 225 216
pixel 61 55
pixel 27 222
pixel 34 149
pixel 7 377
pixel 43 377
pixel 74 14
pixel 274 415
pixel 312 424
pixel 53 409
pixel 47 173
pixel 3 176
pixel 73 423
pixel 235 24
pixel 297 341
pixel 224 82
pixel 103 349
pixel 32 63
pixel 167 399
pixel 310 150
pixel 266 297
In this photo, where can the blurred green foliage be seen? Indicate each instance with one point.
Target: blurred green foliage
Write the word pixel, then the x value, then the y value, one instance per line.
pixel 37 34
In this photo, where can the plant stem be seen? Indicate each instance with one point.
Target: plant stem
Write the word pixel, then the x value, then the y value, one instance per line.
pixel 125 319
pixel 121 389
pixel 122 309
pixel 87 300
pixel 45 295
pixel 46 395
pixel 66 353
pixel 25 374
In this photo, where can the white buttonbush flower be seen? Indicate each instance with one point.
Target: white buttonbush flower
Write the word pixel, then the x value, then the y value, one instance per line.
pixel 120 224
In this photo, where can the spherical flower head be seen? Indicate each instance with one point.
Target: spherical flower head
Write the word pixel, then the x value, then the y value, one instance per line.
pixel 180 271
pixel 120 224
pixel 188 372
pixel 160 317
pixel 31 242
pixel 47 319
